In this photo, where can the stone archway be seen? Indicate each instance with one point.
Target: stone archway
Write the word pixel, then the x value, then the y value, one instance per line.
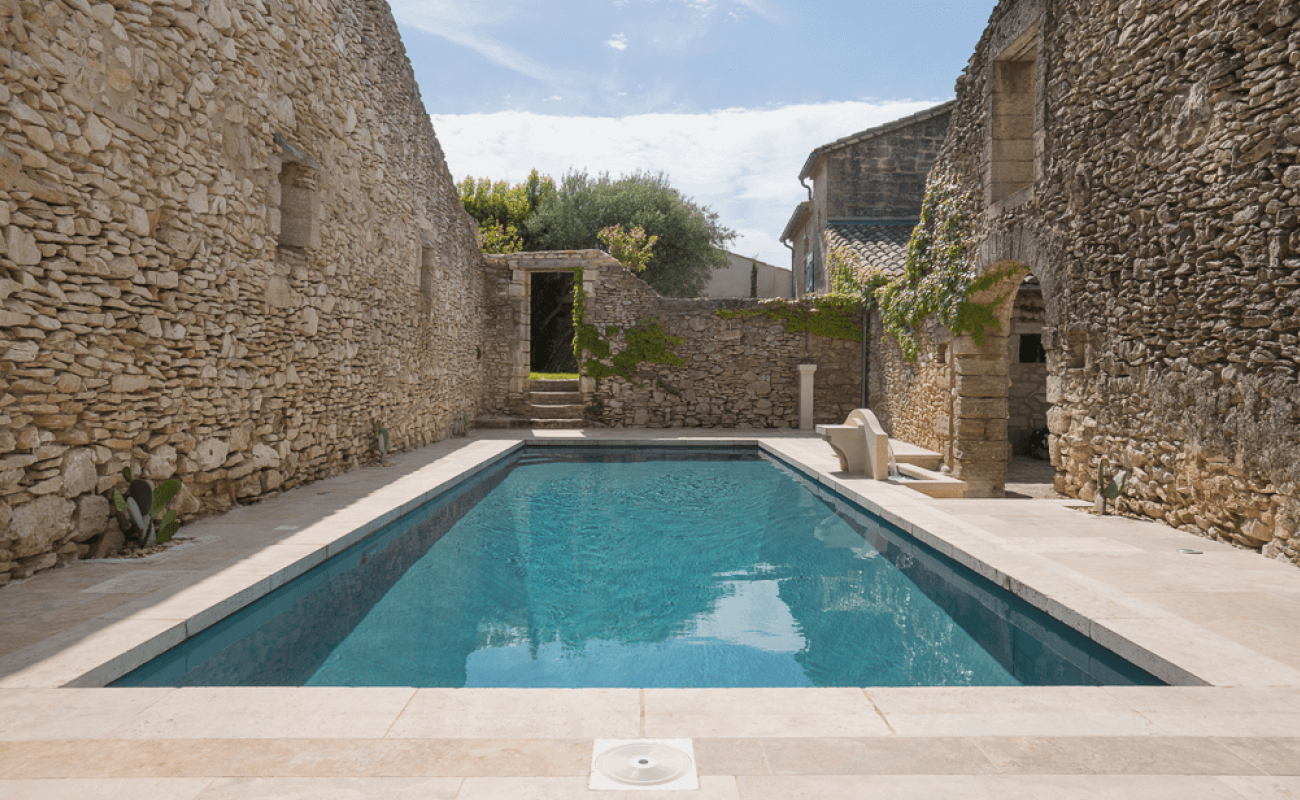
pixel 981 441
pixel 981 378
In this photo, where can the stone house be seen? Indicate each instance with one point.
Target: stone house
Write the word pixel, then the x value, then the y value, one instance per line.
pixel 230 246
pixel 1140 160
pixel 866 191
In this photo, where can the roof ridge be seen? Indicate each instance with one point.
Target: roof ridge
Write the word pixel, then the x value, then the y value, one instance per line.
pixel 872 133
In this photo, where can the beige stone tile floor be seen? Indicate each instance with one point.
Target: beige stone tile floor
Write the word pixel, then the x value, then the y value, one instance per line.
pixel 1224 626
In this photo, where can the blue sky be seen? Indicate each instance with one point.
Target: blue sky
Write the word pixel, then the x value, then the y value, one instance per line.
pixel 725 96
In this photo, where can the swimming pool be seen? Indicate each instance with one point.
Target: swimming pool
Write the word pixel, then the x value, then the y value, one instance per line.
pixel 642 567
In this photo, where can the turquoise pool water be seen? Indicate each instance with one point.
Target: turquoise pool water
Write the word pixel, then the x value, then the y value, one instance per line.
pixel 638 568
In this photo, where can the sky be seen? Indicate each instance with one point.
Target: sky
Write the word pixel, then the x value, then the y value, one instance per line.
pixel 726 97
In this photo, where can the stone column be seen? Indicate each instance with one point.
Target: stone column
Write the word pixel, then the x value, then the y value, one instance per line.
pixel 806 396
pixel 980 451
pixel 520 357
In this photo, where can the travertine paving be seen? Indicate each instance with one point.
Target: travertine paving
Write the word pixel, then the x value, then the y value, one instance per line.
pixel 1222 624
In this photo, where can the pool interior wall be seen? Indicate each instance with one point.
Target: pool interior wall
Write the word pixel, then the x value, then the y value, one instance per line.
pixel 290 634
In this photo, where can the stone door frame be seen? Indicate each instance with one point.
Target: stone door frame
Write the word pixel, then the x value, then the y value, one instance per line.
pixel 522 267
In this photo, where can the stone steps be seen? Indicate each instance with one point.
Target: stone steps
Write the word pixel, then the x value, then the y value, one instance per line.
pixel 507 423
pixel 548 385
pixel 573 411
pixel 555 398
pixel 551 405
pixel 555 403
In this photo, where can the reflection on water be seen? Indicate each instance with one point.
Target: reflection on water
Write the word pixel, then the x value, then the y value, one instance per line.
pixel 640 569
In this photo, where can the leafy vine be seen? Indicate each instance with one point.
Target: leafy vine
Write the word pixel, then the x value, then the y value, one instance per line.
pixel 831 316
pixel 644 343
pixel 939 276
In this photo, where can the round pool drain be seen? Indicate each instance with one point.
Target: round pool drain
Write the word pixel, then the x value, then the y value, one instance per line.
pixel 643 764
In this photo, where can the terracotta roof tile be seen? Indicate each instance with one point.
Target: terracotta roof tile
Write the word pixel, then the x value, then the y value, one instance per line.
pixel 882 246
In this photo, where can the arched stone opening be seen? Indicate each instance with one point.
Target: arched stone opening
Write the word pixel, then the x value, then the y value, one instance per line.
pixel 1000 406
pixel 1027 366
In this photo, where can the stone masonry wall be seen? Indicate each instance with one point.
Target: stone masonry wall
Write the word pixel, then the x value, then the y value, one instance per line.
pixel 1163 221
pixel 912 398
pixel 884 176
pixel 230 245
pixel 739 373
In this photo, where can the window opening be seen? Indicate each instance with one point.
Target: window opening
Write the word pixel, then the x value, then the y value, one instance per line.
pixel 426 272
pixel 299 205
pixel 1031 349
pixel 1015 78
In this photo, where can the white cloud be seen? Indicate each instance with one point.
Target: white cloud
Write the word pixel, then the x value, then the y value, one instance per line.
pixel 619 42
pixel 743 163
pixel 762 8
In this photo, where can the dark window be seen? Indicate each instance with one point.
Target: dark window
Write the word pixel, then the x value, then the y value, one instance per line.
pixel 1031 349
pixel 426 272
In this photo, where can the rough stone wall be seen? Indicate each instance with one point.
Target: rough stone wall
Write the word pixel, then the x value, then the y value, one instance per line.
pixel 150 318
pixel 884 176
pixel 912 398
pixel 739 373
pixel 1163 221
pixel 506 333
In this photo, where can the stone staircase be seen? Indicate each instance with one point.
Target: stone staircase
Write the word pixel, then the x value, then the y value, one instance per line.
pixel 551 405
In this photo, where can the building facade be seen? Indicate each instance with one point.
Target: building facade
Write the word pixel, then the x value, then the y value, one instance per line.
pixel 748 277
pixel 866 191
pixel 1142 161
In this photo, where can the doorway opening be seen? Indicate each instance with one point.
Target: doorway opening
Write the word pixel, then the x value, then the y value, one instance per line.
pixel 1030 472
pixel 1027 400
pixel 551 330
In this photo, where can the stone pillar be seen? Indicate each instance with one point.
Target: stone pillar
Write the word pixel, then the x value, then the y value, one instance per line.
pixel 520 355
pixel 806 396
pixel 979 447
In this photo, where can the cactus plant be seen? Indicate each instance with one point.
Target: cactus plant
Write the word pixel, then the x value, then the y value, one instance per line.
pixel 1108 490
pixel 142 504
pixel 383 440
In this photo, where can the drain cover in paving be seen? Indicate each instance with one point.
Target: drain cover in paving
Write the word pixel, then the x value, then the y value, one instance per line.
pixel 658 764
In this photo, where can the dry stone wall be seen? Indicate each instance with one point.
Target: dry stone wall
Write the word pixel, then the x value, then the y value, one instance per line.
pixel 230 245
pixel 739 373
pixel 1163 221
pixel 912 399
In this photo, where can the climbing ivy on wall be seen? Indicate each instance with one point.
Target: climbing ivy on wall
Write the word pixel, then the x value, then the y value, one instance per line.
pixel 831 316
pixel 644 343
pixel 939 276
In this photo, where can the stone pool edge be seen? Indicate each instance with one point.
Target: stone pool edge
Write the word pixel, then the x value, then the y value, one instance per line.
pixel 140 631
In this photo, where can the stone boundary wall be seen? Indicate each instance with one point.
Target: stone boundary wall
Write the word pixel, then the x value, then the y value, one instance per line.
pixel 1163 221
pixel 153 158
pixel 739 373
